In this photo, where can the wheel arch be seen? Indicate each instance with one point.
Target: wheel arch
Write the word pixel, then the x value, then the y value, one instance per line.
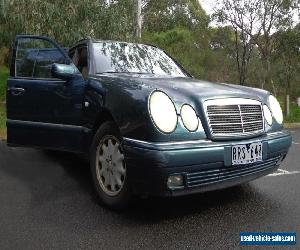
pixel 103 116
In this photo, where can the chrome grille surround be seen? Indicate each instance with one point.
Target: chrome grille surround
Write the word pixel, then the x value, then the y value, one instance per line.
pixel 234 117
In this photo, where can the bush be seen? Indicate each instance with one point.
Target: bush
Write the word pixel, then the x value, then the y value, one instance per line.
pixel 294 113
pixel 3 56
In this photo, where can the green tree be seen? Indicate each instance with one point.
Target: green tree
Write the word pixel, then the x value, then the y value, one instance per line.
pixel 181 44
pixel 164 15
pixel 287 56
pixel 257 20
pixel 221 55
pixel 181 28
pixel 67 20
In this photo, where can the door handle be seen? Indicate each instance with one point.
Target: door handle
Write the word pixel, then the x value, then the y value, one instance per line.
pixel 16 91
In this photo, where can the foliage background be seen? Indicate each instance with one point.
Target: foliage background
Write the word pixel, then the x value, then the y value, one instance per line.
pixel 181 27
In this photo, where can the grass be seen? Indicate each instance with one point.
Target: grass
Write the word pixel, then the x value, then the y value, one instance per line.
pixel 294 114
pixel 2 122
pixel 3 77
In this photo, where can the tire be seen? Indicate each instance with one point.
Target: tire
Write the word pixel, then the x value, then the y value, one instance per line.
pixel 108 167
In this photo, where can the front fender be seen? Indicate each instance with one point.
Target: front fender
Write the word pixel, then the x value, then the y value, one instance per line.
pixel 128 106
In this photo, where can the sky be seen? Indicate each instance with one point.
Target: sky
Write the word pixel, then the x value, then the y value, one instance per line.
pixel 206 5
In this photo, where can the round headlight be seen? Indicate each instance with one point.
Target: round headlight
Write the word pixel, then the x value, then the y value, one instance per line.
pixel 189 118
pixel 268 115
pixel 276 109
pixel 163 112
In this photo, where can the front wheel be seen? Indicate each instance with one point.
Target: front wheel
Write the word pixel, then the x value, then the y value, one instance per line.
pixel 108 167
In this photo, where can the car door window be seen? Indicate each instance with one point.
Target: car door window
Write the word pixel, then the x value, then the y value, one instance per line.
pixel 79 57
pixel 73 54
pixel 35 57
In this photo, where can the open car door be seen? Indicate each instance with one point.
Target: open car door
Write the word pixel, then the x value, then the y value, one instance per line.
pixel 44 96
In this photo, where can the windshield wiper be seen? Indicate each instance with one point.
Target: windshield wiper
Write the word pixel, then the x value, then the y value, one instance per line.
pixel 118 72
pixel 111 72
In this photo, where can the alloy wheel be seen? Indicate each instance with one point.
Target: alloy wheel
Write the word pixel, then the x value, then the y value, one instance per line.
pixel 110 165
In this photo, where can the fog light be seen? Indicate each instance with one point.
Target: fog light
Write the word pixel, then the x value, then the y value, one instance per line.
pixel 175 181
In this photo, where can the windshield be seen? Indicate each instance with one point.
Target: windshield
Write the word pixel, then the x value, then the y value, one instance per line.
pixel 118 57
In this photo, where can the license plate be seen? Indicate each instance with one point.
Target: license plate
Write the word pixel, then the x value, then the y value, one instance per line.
pixel 246 154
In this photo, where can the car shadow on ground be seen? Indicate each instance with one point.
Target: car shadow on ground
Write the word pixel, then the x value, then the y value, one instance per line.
pixel 154 208
pixel 73 183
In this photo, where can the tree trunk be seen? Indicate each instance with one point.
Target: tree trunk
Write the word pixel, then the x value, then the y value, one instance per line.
pixel 287 105
pixel 267 72
pixel 287 98
pixel 139 19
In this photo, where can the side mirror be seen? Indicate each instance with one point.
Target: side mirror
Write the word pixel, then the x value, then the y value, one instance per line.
pixel 63 71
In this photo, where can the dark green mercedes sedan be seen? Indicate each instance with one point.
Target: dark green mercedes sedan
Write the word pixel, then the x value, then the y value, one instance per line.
pixel 148 127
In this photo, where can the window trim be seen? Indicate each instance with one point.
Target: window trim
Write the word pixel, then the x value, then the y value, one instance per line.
pixel 35 78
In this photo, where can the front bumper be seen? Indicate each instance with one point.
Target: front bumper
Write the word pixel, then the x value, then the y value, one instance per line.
pixel 204 165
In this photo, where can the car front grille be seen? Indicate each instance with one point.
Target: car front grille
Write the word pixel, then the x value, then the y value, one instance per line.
pixel 211 176
pixel 241 117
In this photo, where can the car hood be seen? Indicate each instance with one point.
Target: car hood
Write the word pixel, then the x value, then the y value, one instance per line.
pixel 181 88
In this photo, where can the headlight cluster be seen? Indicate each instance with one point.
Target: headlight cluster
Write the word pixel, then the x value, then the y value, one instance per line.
pixel 274 110
pixel 189 118
pixel 163 113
